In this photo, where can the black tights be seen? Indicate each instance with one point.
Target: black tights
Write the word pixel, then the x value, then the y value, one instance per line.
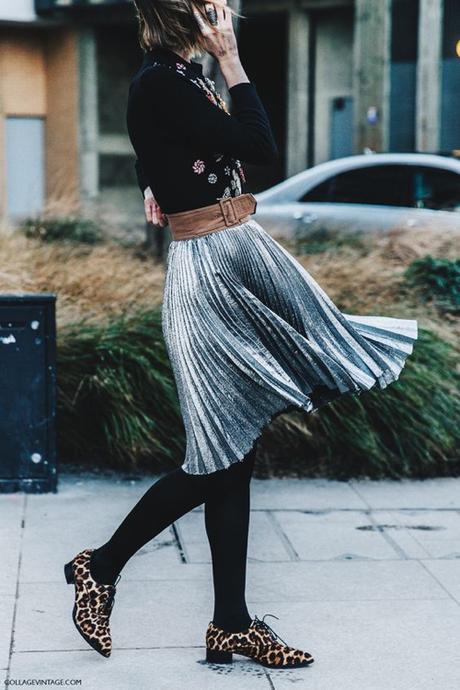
pixel 225 495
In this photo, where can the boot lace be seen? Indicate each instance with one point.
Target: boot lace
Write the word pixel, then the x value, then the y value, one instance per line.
pixel 105 609
pixel 261 624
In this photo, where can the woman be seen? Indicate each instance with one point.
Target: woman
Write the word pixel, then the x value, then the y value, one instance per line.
pixel 249 332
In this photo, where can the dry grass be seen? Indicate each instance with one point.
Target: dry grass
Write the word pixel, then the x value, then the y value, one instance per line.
pixel 97 282
pixel 368 279
pixel 94 282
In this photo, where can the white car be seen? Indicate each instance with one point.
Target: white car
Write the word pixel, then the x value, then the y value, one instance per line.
pixel 371 192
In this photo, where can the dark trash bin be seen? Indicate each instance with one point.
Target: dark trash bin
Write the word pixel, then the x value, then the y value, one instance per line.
pixel 28 393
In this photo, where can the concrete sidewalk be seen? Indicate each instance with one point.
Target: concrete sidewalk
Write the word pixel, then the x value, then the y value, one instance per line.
pixel 363 575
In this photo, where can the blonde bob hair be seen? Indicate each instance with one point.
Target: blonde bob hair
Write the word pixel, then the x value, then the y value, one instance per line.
pixel 171 24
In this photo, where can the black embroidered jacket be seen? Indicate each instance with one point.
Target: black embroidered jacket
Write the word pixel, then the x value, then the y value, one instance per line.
pixel 189 147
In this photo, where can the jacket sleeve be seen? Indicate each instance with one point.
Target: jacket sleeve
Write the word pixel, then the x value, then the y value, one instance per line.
pixel 185 113
pixel 142 181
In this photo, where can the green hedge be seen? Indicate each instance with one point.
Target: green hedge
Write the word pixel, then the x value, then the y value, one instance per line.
pixel 437 280
pixel 61 229
pixel 117 400
pixel 117 406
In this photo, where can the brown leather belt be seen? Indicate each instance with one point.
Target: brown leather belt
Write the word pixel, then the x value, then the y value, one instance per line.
pixel 201 221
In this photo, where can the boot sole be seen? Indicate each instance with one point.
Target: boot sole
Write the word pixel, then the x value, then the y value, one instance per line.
pixel 214 656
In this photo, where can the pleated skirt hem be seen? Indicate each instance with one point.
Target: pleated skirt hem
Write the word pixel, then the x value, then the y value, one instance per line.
pixel 386 378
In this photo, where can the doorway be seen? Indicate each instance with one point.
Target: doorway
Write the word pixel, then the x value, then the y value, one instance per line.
pixel 341 136
pixel 25 165
pixel 332 87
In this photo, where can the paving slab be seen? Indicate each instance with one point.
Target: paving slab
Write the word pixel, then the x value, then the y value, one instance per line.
pixel 43 558
pixel 438 532
pixel 266 544
pixel 142 615
pixel 6 617
pixel 334 535
pixel 409 493
pixel 11 509
pixel 58 528
pixel 447 573
pixel 304 494
pixel 90 485
pixel 421 533
pixel 354 580
pixel 11 514
pixel 138 570
pixel 9 568
pixel 392 525
pixel 372 645
pixel 159 669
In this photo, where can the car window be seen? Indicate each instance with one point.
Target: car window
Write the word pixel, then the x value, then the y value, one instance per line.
pixel 379 184
pixel 436 189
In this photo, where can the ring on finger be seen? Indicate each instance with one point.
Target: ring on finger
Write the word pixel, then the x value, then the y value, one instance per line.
pixel 212 15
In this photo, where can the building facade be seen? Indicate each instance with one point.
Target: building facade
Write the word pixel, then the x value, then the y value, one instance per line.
pixel 337 77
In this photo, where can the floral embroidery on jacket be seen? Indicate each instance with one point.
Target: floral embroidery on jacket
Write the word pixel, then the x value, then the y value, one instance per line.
pixel 240 170
pixel 198 167
pixel 208 87
pixel 235 182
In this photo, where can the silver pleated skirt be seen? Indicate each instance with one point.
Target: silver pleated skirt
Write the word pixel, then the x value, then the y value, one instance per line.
pixel 250 333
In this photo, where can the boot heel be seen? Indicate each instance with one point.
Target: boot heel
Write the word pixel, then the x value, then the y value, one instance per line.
pixel 68 572
pixel 214 656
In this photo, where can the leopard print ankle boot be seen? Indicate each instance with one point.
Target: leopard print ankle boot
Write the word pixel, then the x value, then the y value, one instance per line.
pixel 259 642
pixel 93 603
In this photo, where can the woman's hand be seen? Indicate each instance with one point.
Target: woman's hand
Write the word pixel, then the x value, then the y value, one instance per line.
pixel 153 212
pixel 220 39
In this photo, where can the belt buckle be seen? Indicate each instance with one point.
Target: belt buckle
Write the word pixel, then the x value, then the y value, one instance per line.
pixel 225 204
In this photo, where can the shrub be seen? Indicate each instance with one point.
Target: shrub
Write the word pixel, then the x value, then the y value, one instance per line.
pixel 437 280
pixel 70 229
pixel 118 406
pixel 322 240
pixel 117 402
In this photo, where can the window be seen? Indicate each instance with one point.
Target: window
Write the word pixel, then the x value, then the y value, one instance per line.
pixel 387 185
pixel 436 189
